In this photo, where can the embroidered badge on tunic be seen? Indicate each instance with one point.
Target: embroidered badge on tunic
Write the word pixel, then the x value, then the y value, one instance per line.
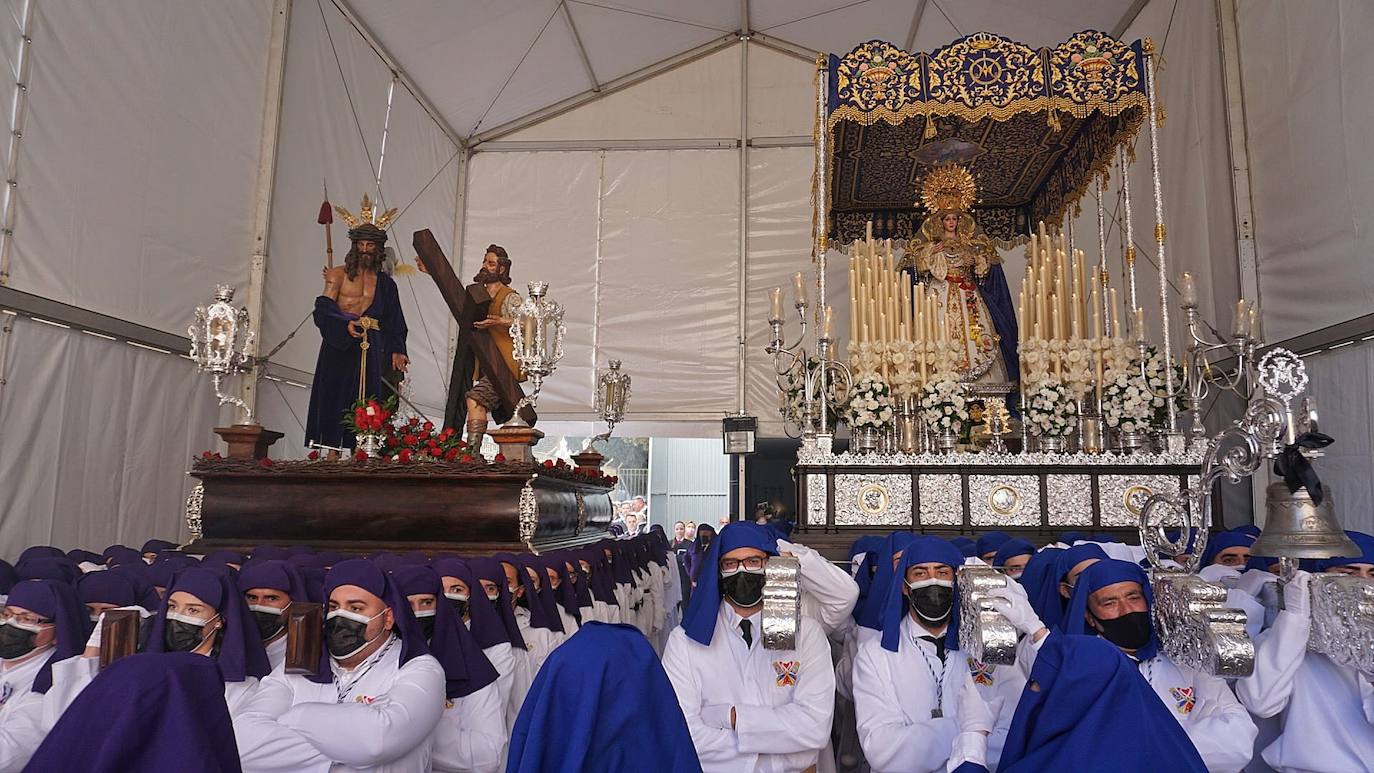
pixel 365 699
pixel 1183 698
pixel 787 672
pixel 982 672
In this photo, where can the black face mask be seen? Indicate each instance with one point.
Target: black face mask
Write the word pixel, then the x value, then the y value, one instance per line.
pixel 1131 631
pixel 743 588
pixel 15 642
pixel 180 636
pixel 932 603
pixel 269 624
pixel 522 601
pixel 427 626
pixel 460 607
pixel 344 637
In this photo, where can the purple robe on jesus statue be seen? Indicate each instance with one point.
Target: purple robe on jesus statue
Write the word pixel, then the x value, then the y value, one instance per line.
pixel 335 387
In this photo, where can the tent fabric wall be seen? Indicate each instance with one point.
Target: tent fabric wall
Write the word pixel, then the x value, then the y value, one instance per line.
pixel 1341 380
pixel 137 168
pixel 97 438
pixel 1309 104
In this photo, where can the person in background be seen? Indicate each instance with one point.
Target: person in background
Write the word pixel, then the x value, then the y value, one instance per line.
pixel 988 543
pixel 680 540
pixel 269 587
pixel 691 533
pixel 1012 557
pixel 632 526
pixel 43 624
pixel 748 709
pixel 1326 710
pixel 696 556
pixel 376 701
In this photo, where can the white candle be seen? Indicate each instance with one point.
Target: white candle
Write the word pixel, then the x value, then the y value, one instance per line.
pixel 828 330
pixel 775 303
pixel 800 288
pixel 1189 289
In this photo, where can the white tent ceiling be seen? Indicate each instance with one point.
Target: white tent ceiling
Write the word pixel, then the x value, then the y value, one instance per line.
pixel 484 63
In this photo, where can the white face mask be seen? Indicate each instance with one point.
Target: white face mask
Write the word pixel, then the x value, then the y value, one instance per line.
pixel 196 621
pixel 265 609
pixel 425 613
pixel 927 583
pixel 1014 574
pixel 494 597
pixel 458 596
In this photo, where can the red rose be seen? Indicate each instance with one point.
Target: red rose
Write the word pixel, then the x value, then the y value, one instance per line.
pixel 548 463
pixel 428 426
pixel 265 462
pixel 409 440
pixel 467 457
pixel 451 454
pixel 360 456
pixel 436 451
pixel 447 433
pixel 500 458
pixel 404 456
pixel 205 455
pixel 313 455
pixel 414 422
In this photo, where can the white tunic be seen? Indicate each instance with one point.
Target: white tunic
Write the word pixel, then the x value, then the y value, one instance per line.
pixel 1326 725
pixel 1204 705
pixel 276 651
pixel 895 694
pixel 471 737
pixel 21 712
pixel 783 699
pixel 379 717
pixel 539 641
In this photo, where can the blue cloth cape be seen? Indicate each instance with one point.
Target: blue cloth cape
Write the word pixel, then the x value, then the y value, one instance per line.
pixel 921 550
pixel 1086 707
pixel 872 613
pixel 699 621
pixel 145 713
pixel 602 703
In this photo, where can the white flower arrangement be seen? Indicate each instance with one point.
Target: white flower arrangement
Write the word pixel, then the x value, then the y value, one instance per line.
pixel 1126 402
pixel 1154 376
pixel 1050 410
pixel 944 406
pixel 870 404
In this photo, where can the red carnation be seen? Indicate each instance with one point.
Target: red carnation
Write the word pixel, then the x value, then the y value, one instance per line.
pixel 360 456
pixel 205 455
pixel 313 455
pixel 409 440
pixel 436 451
pixel 265 462
pixel 500 458
pixel 414 422
pixel 447 433
pixel 467 457
pixel 404 456
pixel 548 463
pixel 428 426
pixel 451 454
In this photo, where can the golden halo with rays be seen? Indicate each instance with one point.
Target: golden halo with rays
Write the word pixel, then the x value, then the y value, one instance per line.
pixel 949 188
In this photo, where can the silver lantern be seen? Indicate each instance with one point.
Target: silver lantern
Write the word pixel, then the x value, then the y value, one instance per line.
pixel 222 344
pixel 611 397
pixel 536 342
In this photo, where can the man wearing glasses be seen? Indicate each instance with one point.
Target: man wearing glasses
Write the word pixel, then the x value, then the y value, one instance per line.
pixel 43 622
pixel 748 708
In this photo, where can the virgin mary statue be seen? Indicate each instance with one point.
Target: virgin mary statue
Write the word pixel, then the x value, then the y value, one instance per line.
pixel 959 262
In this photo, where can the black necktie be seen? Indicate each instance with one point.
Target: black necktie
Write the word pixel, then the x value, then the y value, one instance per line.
pixel 939 643
pixel 746 630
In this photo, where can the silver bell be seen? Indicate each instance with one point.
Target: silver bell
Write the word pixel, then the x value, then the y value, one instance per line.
pixel 1295 527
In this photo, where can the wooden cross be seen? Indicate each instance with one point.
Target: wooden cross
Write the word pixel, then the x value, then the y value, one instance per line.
pixel 468 305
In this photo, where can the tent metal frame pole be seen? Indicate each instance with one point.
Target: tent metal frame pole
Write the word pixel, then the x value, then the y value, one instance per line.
pixel 266 179
pixel 782 46
pixel 1128 18
pixel 399 72
pixel 915 24
pixel 19 109
pixel 608 88
pixel 743 333
pixel 581 49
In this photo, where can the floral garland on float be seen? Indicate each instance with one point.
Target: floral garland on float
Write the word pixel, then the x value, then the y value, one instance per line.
pixel 945 409
pixel 1050 411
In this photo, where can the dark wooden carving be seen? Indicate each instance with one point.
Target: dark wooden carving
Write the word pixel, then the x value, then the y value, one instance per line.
pixel 469 305
pixel 118 634
pixel 304 636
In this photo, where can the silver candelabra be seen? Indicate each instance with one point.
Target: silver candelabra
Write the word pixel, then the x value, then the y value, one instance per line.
pixel 611 396
pixel 817 381
pixel 536 342
pixel 216 347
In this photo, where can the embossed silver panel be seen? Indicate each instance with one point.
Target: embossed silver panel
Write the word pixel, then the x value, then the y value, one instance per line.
pixel 1195 629
pixel 1004 500
pixel 816 490
pixel 781 603
pixel 942 501
pixel 1343 620
pixel 1070 498
pixel 872 500
pixel 983 631
pixel 1123 496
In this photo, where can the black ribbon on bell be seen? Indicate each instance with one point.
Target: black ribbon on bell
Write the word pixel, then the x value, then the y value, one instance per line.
pixel 1296 468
